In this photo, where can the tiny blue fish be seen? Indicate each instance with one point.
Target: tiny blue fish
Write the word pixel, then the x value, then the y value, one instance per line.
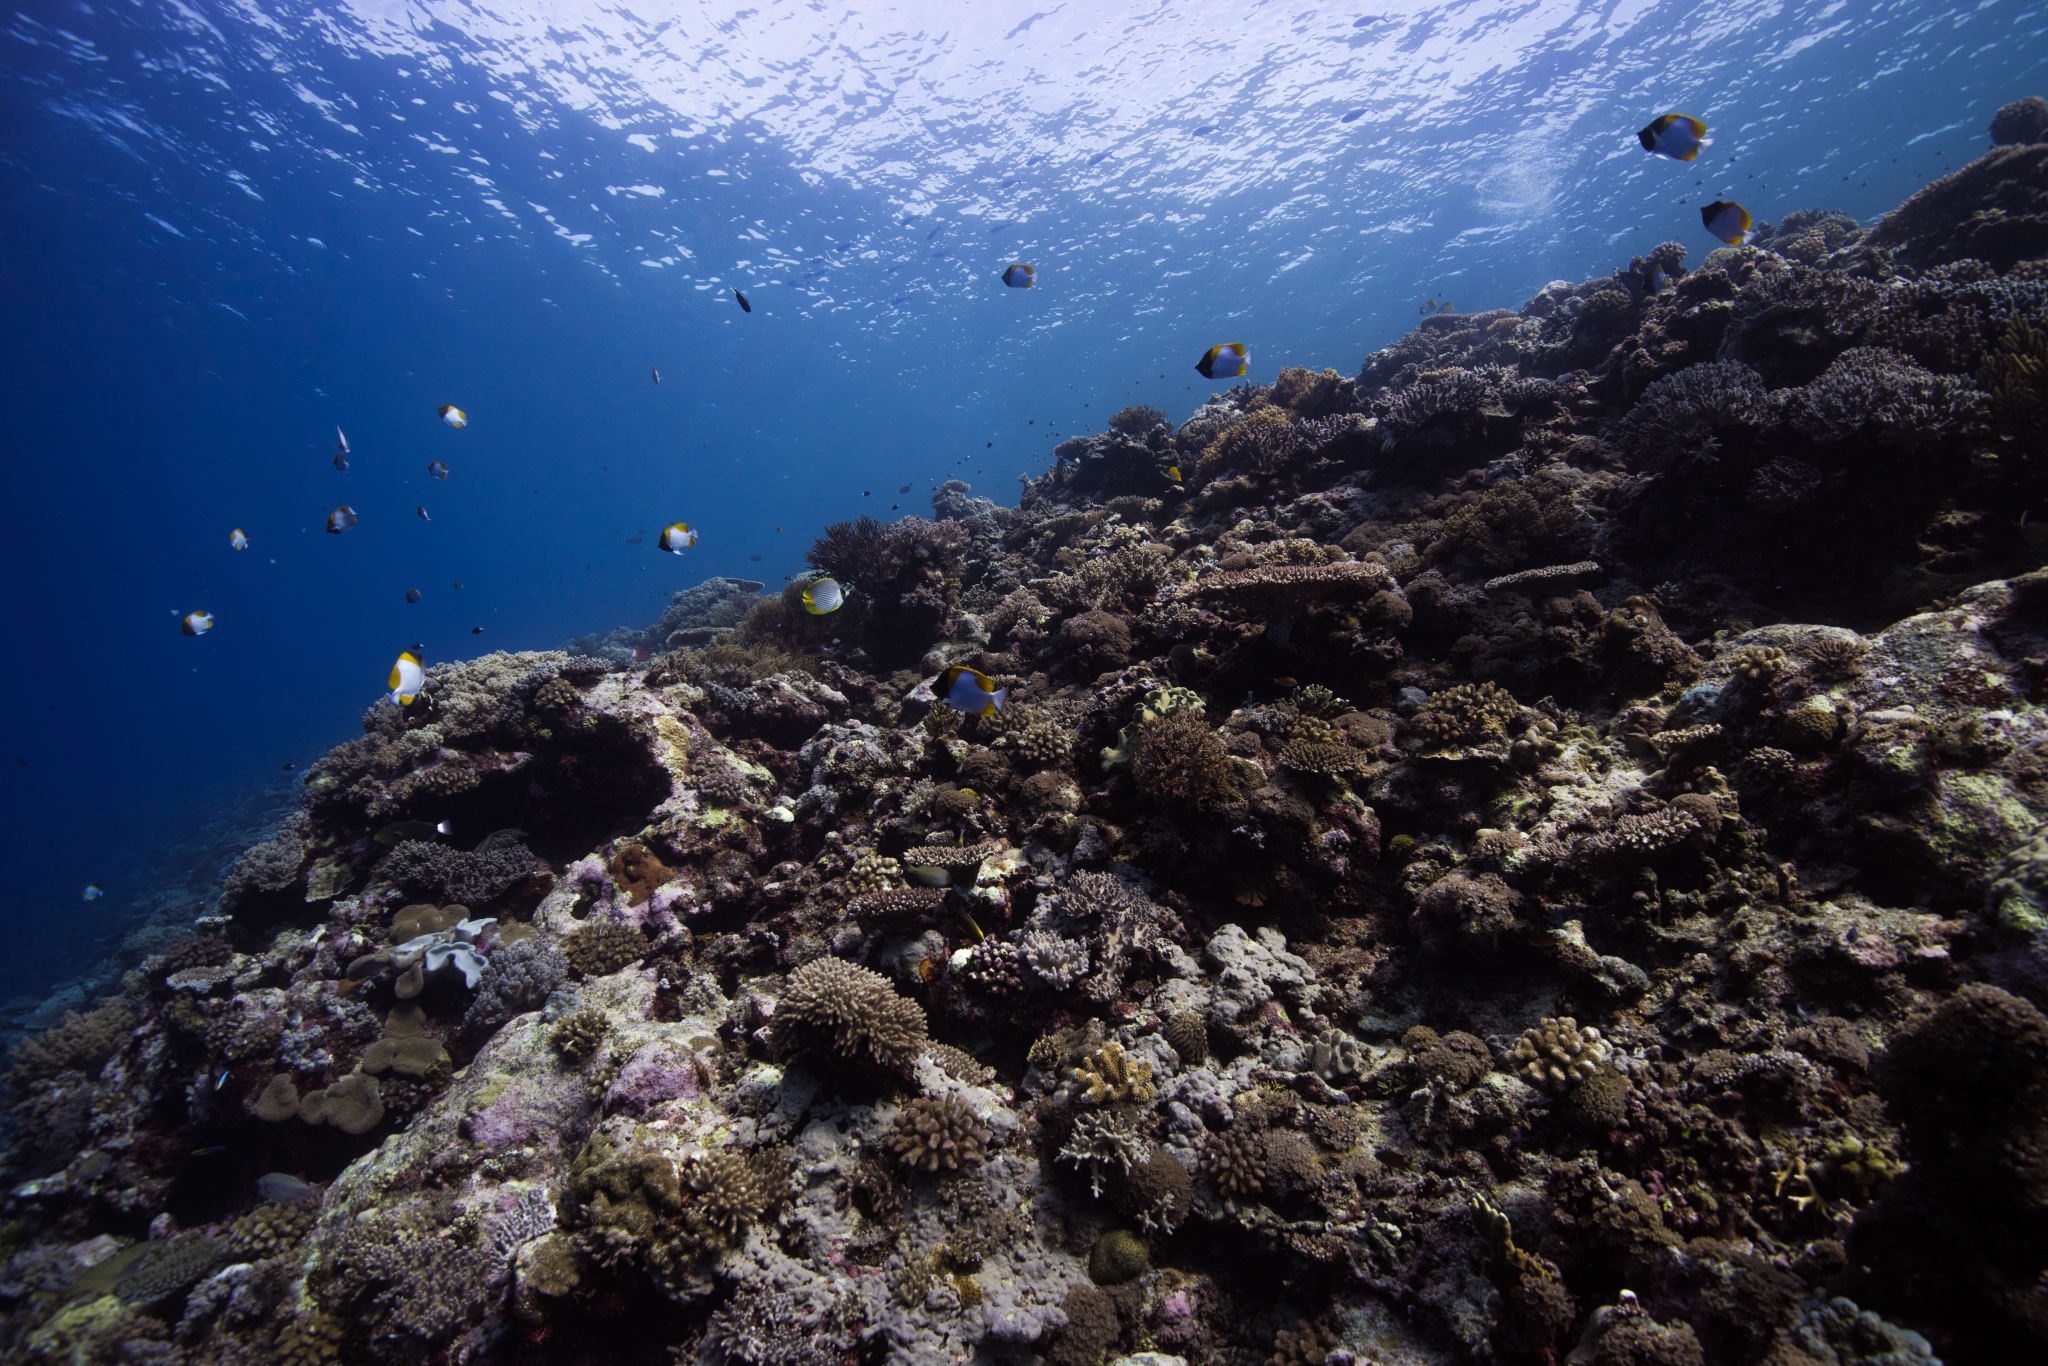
pixel 93 892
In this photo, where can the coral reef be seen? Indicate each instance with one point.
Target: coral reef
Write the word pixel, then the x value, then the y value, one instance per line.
pixel 1540 853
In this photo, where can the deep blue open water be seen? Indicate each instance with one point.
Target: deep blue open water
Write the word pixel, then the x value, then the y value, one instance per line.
pixel 226 229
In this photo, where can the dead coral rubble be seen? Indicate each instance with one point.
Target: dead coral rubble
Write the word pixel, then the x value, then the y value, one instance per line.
pixel 1563 810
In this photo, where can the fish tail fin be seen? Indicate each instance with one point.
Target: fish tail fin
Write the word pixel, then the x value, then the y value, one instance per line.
pixel 995 703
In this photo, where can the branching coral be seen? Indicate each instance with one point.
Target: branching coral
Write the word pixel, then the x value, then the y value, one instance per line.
pixel 1183 763
pixel 1870 388
pixel 934 1133
pixel 1557 1054
pixel 1113 1075
pixel 1682 420
pixel 519 978
pixel 858 1009
pixel 1236 1159
pixel 2016 376
pixel 602 947
pixel 1465 714
pixel 580 1035
pixel 474 878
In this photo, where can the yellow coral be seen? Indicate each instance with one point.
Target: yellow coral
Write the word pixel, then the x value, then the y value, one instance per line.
pixel 1113 1074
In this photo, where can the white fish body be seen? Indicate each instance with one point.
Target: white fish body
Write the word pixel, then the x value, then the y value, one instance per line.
pixel 238 540
pixel 822 596
pixel 407 678
pixel 196 623
pixel 454 416
pixel 677 538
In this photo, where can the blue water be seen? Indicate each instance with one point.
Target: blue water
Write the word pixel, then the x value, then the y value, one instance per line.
pixel 226 229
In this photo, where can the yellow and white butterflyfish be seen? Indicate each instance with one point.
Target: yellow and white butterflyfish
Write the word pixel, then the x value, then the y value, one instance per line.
pixel 1173 473
pixel 407 678
pixel 340 520
pixel 1728 221
pixel 1227 360
pixel 1678 136
pixel 1020 276
pixel 969 691
pixel 453 415
pixel 822 596
pixel 437 468
pixel 677 538
pixel 238 540
pixel 195 623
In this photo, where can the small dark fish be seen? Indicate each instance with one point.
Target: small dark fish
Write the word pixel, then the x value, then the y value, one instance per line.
pixel 657 374
pixel 1207 128
pixel 288 768
pixel 635 540
pixel 753 557
pixel 409 830
pixel 1354 114
pixel 341 461
pixel 867 493
pixel 413 595
pixel 904 489
pixel 216 1148
pixel 458 583
pixel 745 307
pixel 1098 158
pixel 894 506
pixel 476 630
pixel 1285 683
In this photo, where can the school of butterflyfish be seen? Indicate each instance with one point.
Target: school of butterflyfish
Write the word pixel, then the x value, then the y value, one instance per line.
pixel 1678 137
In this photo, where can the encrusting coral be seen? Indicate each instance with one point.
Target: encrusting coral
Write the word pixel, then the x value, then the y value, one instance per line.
pixel 1557 811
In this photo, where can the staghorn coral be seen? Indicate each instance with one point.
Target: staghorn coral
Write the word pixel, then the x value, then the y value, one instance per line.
pixel 1557 1054
pixel 935 1133
pixel 858 1009
pixel 1105 1144
pixel 601 947
pixel 1113 1075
